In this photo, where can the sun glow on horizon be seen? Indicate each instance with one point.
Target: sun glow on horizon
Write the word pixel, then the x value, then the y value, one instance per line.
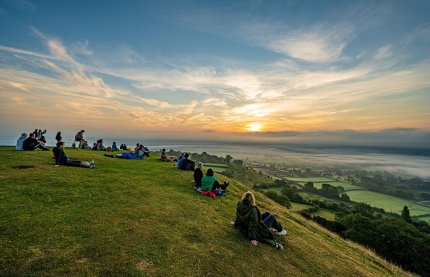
pixel 254 127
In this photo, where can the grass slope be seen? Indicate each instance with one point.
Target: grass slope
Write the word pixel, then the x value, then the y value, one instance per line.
pixel 143 218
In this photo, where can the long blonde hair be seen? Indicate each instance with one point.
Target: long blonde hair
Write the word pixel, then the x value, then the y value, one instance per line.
pixel 249 198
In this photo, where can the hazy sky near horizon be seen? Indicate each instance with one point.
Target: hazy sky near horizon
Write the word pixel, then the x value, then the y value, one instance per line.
pixel 217 69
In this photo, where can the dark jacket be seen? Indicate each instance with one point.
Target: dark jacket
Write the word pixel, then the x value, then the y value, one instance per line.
pixel 60 156
pixel 198 175
pixel 30 143
pixel 248 220
pixel 58 137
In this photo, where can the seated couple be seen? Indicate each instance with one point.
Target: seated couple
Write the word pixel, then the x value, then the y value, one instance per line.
pixel 184 163
pixel 141 150
pixel 257 227
pixel 30 143
pixel 61 158
pixel 208 184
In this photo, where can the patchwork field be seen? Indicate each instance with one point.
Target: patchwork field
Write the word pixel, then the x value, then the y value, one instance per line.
pixel 346 186
pixel 311 179
pixel 387 202
pixel 216 167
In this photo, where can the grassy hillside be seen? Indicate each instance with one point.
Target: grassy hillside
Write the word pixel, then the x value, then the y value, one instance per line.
pixel 143 218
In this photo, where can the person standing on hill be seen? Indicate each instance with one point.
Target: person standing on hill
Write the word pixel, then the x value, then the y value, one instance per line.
pixel 58 137
pixel 80 138
pixel 250 223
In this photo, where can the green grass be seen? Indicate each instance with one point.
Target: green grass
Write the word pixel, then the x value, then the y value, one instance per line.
pixel 216 167
pixel 346 186
pixel 387 202
pixel 140 218
pixel 327 214
pixel 311 196
pixel 425 218
pixel 299 206
pixel 310 179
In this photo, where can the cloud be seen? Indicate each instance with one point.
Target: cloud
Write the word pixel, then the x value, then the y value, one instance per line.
pixel 319 44
pixel 383 52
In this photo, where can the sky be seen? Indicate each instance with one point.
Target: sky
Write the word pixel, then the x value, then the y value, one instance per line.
pixel 347 72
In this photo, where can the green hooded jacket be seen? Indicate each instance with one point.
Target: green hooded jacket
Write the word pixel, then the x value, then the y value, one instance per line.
pixel 248 220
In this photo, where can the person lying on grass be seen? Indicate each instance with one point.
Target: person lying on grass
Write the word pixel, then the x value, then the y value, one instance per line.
pixel 164 157
pixel 250 222
pixel 127 155
pixel 61 158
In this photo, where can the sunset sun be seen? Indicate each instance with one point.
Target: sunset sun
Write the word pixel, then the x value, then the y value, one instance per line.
pixel 254 127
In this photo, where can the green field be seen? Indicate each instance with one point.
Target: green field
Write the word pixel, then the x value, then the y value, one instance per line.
pixel 216 167
pixel 299 206
pixel 425 218
pixel 310 179
pixel 143 218
pixel 327 214
pixel 311 196
pixel 346 186
pixel 387 202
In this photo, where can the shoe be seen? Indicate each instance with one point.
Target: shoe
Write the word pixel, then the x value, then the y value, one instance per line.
pixel 279 246
pixel 282 233
pixel 93 164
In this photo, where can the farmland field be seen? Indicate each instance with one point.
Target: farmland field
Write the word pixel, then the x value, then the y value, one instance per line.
pixel 346 186
pixel 425 218
pixel 387 202
pixel 299 207
pixel 325 214
pixel 310 179
pixel 216 167
pixel 311 196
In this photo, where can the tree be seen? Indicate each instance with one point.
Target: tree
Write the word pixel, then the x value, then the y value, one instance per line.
pixel 228 159
pixel 309 186
pixel 406 214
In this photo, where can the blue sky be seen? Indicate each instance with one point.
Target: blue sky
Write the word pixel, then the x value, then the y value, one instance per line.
pixel 216 69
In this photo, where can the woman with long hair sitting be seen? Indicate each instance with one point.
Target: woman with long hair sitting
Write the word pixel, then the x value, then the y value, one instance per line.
pixel 250 222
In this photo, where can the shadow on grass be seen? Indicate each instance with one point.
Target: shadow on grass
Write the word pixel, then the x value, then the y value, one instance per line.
pixel 22 166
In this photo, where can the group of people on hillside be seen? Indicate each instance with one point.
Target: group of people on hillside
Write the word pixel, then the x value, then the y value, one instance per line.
pixel 37 140
pixel 255 226
pixel 31 142
pixel 208 184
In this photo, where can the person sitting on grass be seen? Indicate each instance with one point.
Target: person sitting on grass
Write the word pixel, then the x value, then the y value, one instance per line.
pixel 186 163
pixel 164 157
pixel 58 137
pixel 20 142
pixel 210 185
pixel 250 223
pixel 114 147
pixel 32 143
pixel 62 159
pixel 180 159
pixel 198 175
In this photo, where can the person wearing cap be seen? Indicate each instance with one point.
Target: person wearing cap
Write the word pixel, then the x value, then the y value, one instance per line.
pixel 20 142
